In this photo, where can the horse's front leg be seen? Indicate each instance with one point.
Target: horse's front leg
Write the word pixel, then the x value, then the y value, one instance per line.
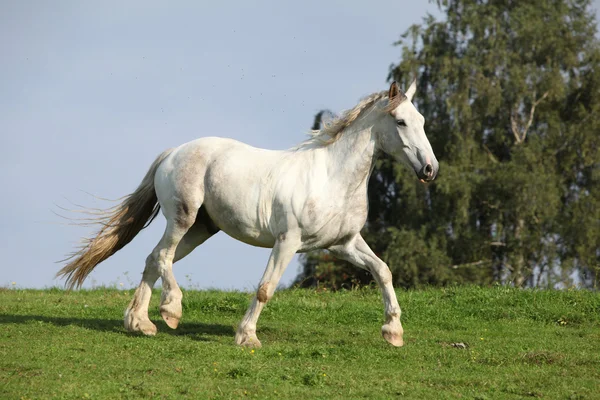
pixel 357 251
pixel 283 251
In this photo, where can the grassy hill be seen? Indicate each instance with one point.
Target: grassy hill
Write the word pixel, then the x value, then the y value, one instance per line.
pixel 483 343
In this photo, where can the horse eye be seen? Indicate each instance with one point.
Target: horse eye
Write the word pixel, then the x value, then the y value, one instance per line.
pixel 401 122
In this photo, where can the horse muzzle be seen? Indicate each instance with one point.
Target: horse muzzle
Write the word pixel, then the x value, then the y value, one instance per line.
pixel 427 173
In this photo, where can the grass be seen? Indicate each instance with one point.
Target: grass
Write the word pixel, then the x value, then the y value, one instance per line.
pixel 477 343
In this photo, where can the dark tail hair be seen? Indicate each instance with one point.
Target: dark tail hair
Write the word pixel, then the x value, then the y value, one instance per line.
pixel 119 225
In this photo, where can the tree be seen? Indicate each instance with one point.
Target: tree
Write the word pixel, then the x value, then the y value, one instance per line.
pixel 511 94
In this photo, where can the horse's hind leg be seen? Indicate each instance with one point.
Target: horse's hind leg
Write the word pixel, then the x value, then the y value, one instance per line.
pixel 136 314
pixel 170 305
pixel 158 264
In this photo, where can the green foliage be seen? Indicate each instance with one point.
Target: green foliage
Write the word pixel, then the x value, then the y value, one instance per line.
pixel 465 342
pixel 510 93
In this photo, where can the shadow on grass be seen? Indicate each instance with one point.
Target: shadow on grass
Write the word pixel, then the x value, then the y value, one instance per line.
pixel 195 330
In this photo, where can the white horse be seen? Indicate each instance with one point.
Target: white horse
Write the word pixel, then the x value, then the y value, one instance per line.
pixel 312 196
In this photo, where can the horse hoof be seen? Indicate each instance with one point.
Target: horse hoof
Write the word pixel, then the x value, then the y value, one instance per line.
pixel 394 339
pixel 245 340
pixel 251 343
pixel 392 336
pixel 171 321
pixel 148 328
pixel 145 327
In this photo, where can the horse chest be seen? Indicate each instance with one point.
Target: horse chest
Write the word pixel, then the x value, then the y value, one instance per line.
pixel 329 223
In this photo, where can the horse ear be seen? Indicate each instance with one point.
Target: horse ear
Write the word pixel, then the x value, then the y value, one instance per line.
pixel 411 90
pixel 394 91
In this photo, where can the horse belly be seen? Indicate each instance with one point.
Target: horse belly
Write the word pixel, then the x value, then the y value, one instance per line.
pixel 232 201
pixel 248 234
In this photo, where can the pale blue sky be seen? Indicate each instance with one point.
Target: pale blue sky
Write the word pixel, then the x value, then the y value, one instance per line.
pixel 91 92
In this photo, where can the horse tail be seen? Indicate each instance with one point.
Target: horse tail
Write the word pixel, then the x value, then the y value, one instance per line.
pixel 118 226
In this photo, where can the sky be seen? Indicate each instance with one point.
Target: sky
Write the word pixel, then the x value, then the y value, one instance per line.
pixel 92 92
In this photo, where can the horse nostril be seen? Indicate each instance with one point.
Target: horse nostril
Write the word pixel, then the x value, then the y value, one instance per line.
pixel 428 170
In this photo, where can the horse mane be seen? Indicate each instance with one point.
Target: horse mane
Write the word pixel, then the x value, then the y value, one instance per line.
pixel 332 131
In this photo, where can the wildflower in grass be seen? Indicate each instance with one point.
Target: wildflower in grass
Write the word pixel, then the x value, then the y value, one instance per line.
pixel 13 283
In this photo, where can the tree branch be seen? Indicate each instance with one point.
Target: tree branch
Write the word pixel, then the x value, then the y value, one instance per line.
pixel 472 264
pixel 490 154
pixel 515 128
pixel 521 134
pixel 532 111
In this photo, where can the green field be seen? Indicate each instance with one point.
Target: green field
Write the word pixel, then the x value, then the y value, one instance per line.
pixel 316 344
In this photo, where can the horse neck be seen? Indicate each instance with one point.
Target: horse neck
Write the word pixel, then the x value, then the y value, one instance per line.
pixel 353 154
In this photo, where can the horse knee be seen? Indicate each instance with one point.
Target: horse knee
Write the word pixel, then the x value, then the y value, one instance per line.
pixel 385 275
pixel 265 292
